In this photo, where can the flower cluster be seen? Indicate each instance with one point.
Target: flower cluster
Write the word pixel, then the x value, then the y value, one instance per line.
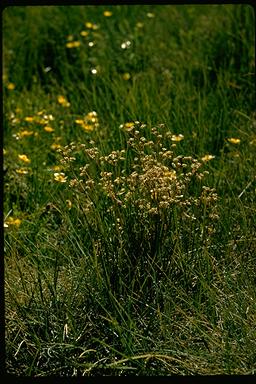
pixel 11 221
pixel 62 100
pixel 89 122
pixel 147 175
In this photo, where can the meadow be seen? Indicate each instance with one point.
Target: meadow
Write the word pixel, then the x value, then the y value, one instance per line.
pixel 129 137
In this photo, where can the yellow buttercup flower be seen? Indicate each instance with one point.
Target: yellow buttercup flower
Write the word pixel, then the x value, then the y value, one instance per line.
pixel 128 126
pixel 60 177
pixel 29 119
pixel 12 221
pixel 90 25
pixel 233 140
pixel 89 122
pixel 207 158
pixel 25 133
pixel 48 129
pixel 24 158
pixel 107 13
pixel 22 134
pixel 73 44
pixel 177 138
pixel 55 168
pixel 79 121
pixel 84 33
pixel 87 127
pixel 92 116
pixel 55 146
pixel 63 101
pixel 11 86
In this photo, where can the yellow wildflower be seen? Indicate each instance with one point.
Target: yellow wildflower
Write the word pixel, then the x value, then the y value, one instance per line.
pixel 24 158
pixel 55 146
pixel 17 222
pixel 29 119
pixel 12 221
pixel 207 158
pixel 79 121
pixel 92 116
pixel 11 86
pixel 60 177
pixel 48 129
pixel 69 204
pixel 63 101
pixel 150 15
pixel 107 13
pixel 126 76
pixel 41 121
pixel 84 33
pixel 177 138
pixel 87 127
pixel 56 167
pixel 25 133
pixel 91 25
pixel 89 122
pixel 88 25
pixel 22 171
pixel 233 140
pixel 73 44
pixel 128 126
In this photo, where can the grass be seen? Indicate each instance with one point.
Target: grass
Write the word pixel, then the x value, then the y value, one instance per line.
pixel 129 204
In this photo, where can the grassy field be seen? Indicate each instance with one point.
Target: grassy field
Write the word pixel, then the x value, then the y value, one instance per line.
pixel 129 190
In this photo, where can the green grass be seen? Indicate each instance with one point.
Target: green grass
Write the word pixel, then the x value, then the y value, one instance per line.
pixel 142 260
